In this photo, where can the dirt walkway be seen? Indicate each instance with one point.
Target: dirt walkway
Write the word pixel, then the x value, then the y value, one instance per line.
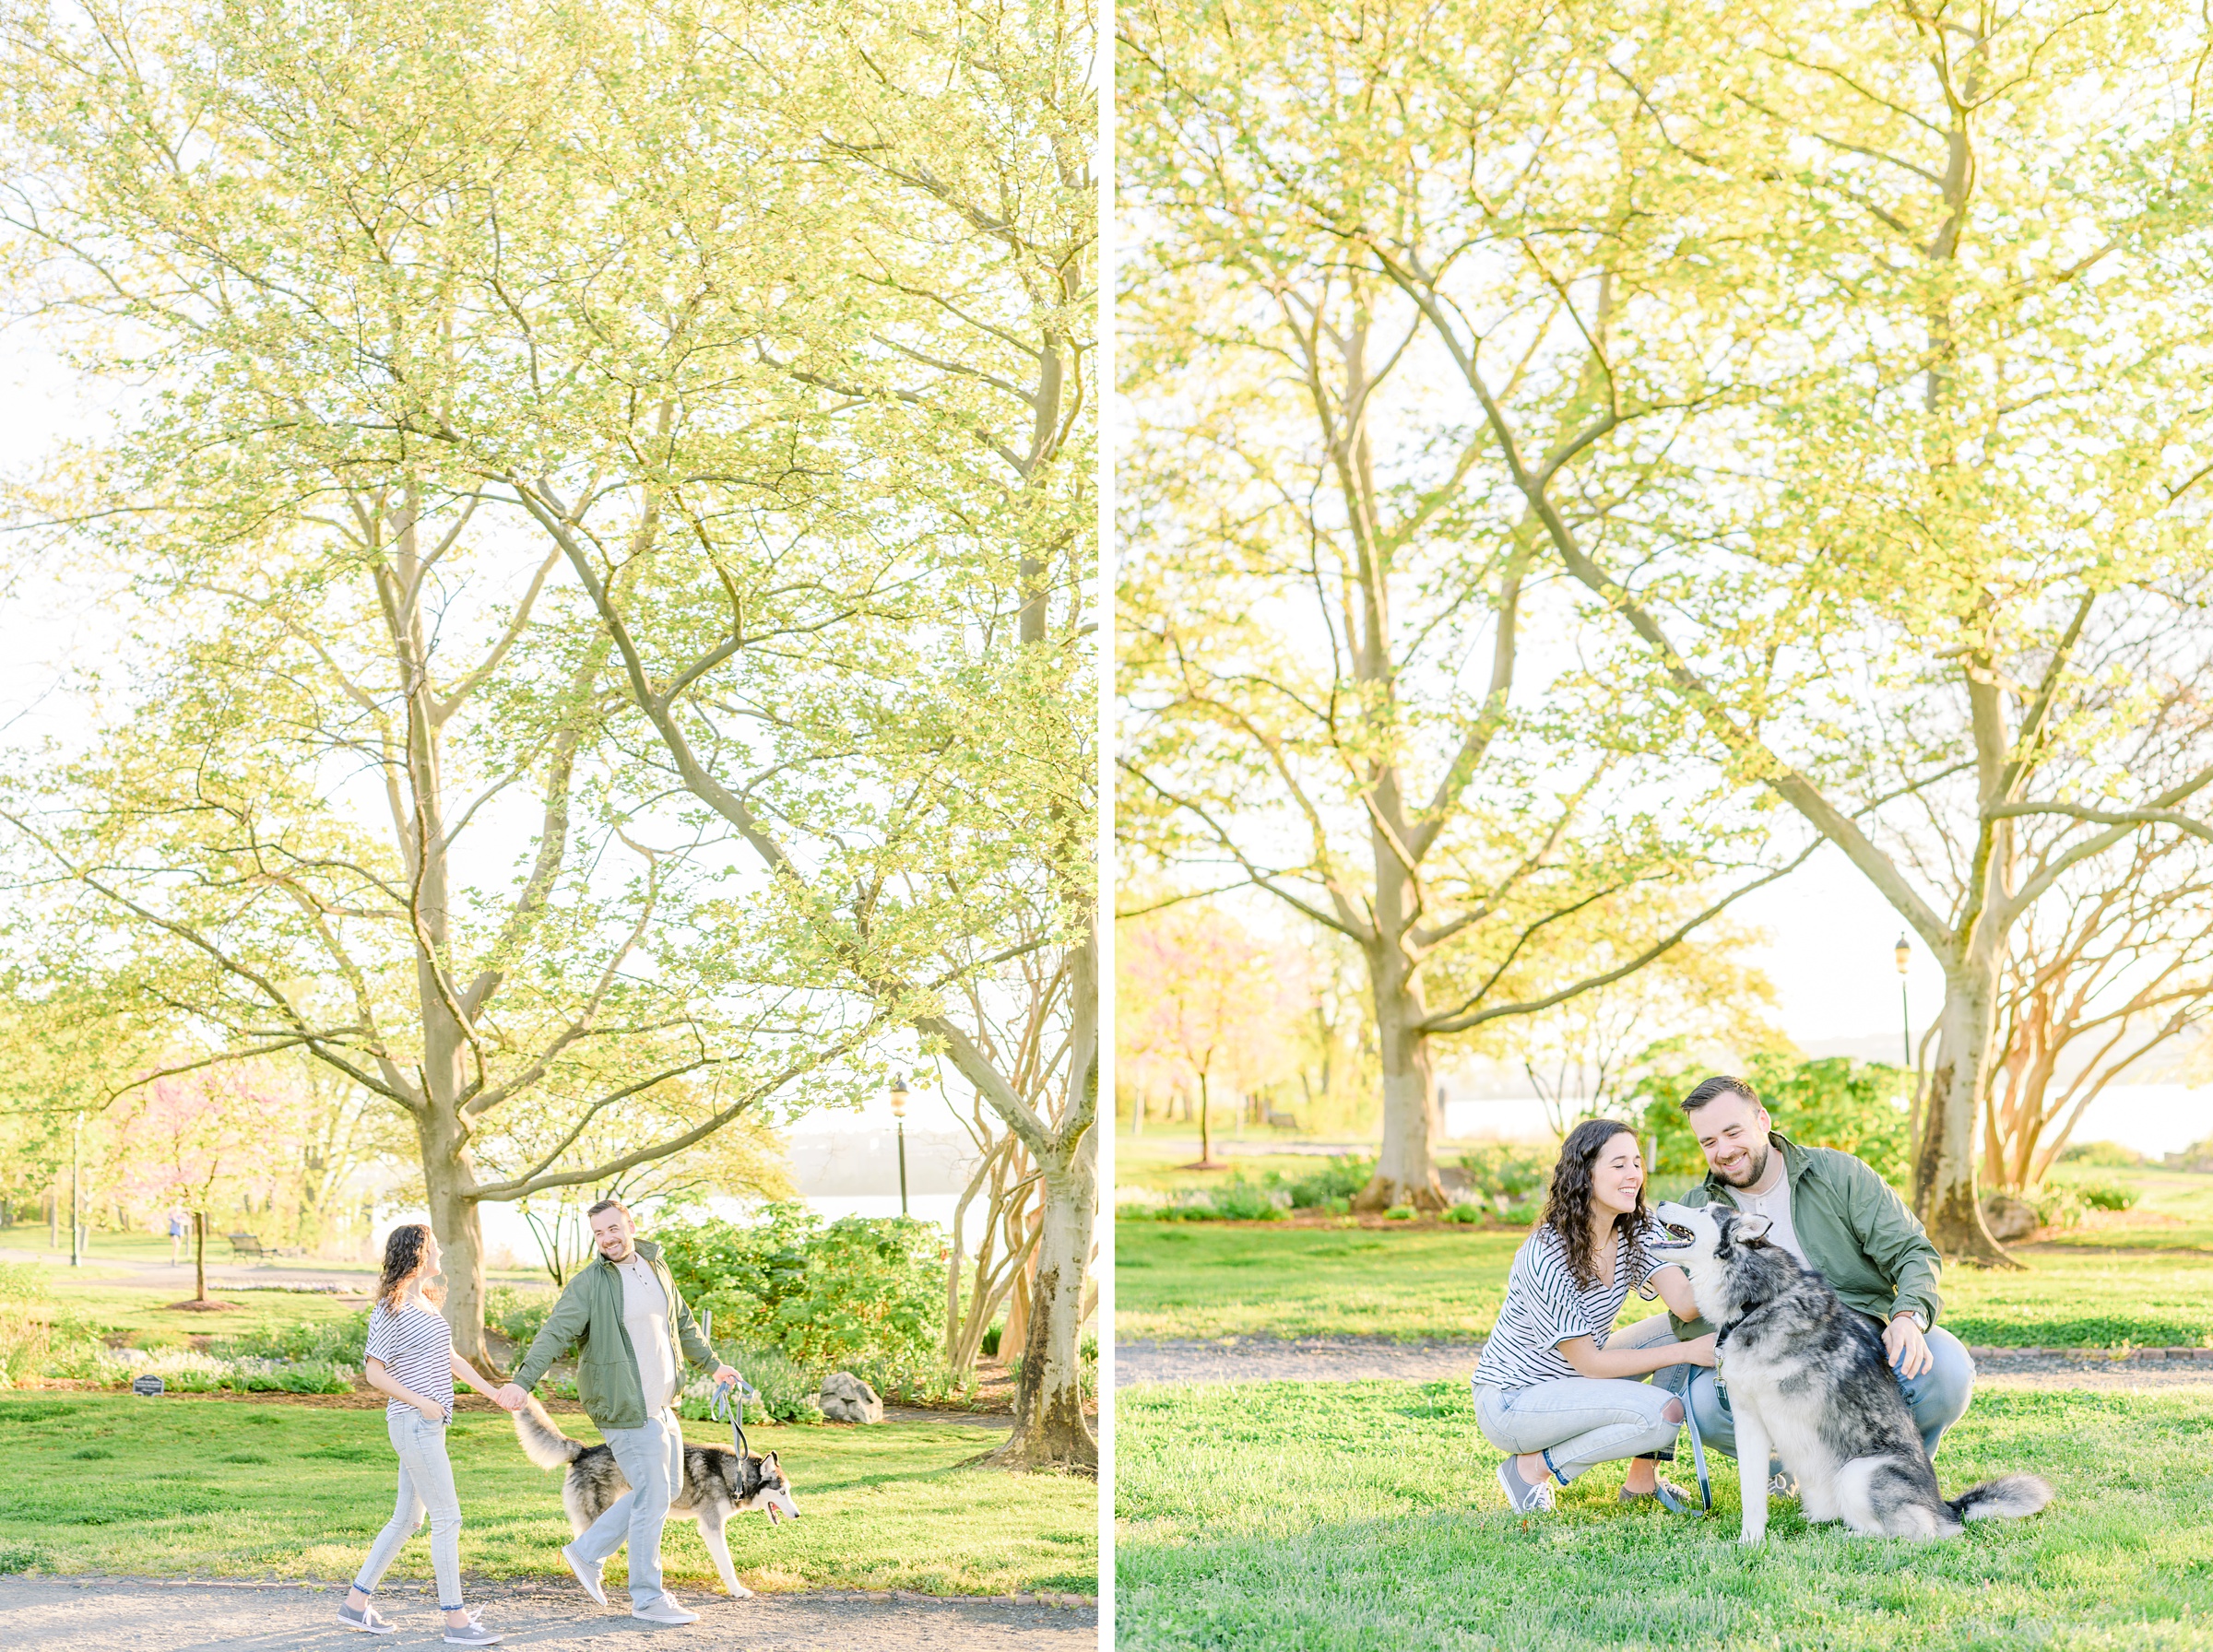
pixel 1360 1359
pixel 129 1614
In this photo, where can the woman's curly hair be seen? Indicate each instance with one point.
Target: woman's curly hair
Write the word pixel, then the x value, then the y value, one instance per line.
pixel 403 1255
pixel 1568 1206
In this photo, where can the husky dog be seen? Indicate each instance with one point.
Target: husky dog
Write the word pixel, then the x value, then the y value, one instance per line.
pixel 717 1484
pixel 1807 1380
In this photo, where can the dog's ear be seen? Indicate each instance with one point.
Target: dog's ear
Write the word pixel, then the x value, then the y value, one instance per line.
pixel 1750 1230
pixel 769 1461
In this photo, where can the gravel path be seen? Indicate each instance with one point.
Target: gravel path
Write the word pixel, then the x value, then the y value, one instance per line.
pixel 1356 1359
pixel 131 1614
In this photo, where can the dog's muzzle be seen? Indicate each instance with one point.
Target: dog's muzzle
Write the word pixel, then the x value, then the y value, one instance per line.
pixel 1684 1238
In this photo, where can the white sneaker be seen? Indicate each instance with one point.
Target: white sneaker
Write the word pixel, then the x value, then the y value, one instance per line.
pixel 587 1574
pixel 1781 1485
pixel 664 1610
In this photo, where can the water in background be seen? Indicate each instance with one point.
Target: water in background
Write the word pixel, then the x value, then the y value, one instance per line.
pixel 2154 1119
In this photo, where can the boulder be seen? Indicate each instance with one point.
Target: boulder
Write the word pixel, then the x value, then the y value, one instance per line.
pixel 2009 1218
pixel 845 1398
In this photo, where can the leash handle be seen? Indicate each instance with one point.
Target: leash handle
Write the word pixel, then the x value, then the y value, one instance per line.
pixel 721 1409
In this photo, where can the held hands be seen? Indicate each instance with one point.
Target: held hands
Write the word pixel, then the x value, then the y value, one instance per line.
pixel 1906 1348
pixel 1698 1351
pixel 509 1397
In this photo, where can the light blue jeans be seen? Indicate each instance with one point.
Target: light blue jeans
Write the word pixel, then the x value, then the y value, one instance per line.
pixel 1578 1422
pixel 1937 1398
pixel 652 1459
pixel 426 1482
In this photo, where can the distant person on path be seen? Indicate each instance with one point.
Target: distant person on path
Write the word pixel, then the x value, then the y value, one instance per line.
pixel 635 1331
pixel 1832 1212
pixel 1557 1386
pixel 176 1236
pixel 411 1358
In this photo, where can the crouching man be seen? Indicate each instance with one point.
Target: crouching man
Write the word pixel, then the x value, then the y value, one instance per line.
pixel 622 1312
pixel 1831 1211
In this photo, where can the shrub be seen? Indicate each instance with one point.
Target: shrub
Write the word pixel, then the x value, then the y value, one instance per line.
pixel 859 1288
pixel 1240 1200
pixel 22 1281
pixel 1464 1213
pixel 331 1342
pixel 787 1389
pixel 2104 1155
pixel 516 1314
pixel 1506 1175
pixel 1859 1107
pixel 2107 1196
pixel 1400 1213
pixel 1338 1180
pixel 2056 1205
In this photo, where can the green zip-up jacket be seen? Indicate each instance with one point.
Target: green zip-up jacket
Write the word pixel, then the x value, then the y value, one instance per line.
pixel 1855 1230
pixel 589 1317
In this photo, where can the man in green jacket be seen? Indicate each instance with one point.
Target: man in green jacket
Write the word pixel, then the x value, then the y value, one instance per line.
pixel 633 1331
pixel 1832 1212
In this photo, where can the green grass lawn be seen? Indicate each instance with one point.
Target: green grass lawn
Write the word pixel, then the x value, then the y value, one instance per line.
pixel 223 1488
pixel 2102 1288
pixel 1363 1517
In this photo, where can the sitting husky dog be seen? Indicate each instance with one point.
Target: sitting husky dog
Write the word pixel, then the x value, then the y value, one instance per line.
pixel 1807 1379
pixel 717 1484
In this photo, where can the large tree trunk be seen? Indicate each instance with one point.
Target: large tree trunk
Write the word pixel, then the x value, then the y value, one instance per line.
pixel 1050 1431
pixel 1945 1193
pixel 449 1180
pixel 1405 1174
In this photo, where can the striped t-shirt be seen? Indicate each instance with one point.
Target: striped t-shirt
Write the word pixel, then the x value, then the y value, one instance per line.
pixel 1544 1307
pixel 417 1346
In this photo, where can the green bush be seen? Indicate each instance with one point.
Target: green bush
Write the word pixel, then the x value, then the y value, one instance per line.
pixel 1464 1213
pixel 517 1314
pixel 330 1341
pixel 1240 1200
pixel 1339 1179
pixel 1502 1173
pixel 2104 1155
pixel 2056 1205
pixel 857 1289
pixel 2107 1196
pixel 22 1281
pixel 787 1389
pixel 1859 1107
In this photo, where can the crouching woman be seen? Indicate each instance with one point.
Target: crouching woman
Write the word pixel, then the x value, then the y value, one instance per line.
pixel 1549 1390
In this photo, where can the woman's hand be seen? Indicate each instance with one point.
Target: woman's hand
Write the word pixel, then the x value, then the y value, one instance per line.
pixel 434 1413
pixel 1698 1351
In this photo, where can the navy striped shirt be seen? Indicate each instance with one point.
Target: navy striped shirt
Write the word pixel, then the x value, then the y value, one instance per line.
pixel 417 1346
pixel 1545 1306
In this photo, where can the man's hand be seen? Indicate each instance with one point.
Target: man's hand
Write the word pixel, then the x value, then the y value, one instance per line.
pixel 510 1398
pixel 723 1376
pixel 1906 1348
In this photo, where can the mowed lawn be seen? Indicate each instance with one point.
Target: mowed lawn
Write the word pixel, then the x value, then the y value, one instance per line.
pixel 226 1488
pixel 2146 1280
pixel 1362 1516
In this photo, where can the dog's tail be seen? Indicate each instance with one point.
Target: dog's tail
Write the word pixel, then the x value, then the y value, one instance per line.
pixel 543 1443
pixel 2010 1497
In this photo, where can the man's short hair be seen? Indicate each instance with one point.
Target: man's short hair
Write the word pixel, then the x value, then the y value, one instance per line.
pixel 607 1204
pixel 1719 1085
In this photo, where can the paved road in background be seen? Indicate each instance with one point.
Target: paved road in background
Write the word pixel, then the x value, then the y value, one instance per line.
pixel 135 1615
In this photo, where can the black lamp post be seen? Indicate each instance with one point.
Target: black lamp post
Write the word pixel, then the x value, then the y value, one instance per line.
pixel 899 1113
pixel 1905 954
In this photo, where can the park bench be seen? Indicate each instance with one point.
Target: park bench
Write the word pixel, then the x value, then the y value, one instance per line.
pixel 250 1245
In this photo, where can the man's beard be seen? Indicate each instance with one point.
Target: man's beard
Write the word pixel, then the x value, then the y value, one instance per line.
pixel 1756 1166
pixel 623 1255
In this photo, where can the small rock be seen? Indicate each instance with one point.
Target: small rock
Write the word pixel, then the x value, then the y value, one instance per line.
pixel 2009 1218
pixel 845 1398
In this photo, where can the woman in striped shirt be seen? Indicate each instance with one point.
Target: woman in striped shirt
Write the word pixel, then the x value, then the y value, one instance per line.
pixel 1554 1387
pixel 411 1359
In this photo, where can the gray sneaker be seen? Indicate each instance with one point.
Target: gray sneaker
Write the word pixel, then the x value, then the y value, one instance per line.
pixel 366 1619
pixel 664 1610
pixel 1525 1500
pixel 588 1573
pixel 472 1634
